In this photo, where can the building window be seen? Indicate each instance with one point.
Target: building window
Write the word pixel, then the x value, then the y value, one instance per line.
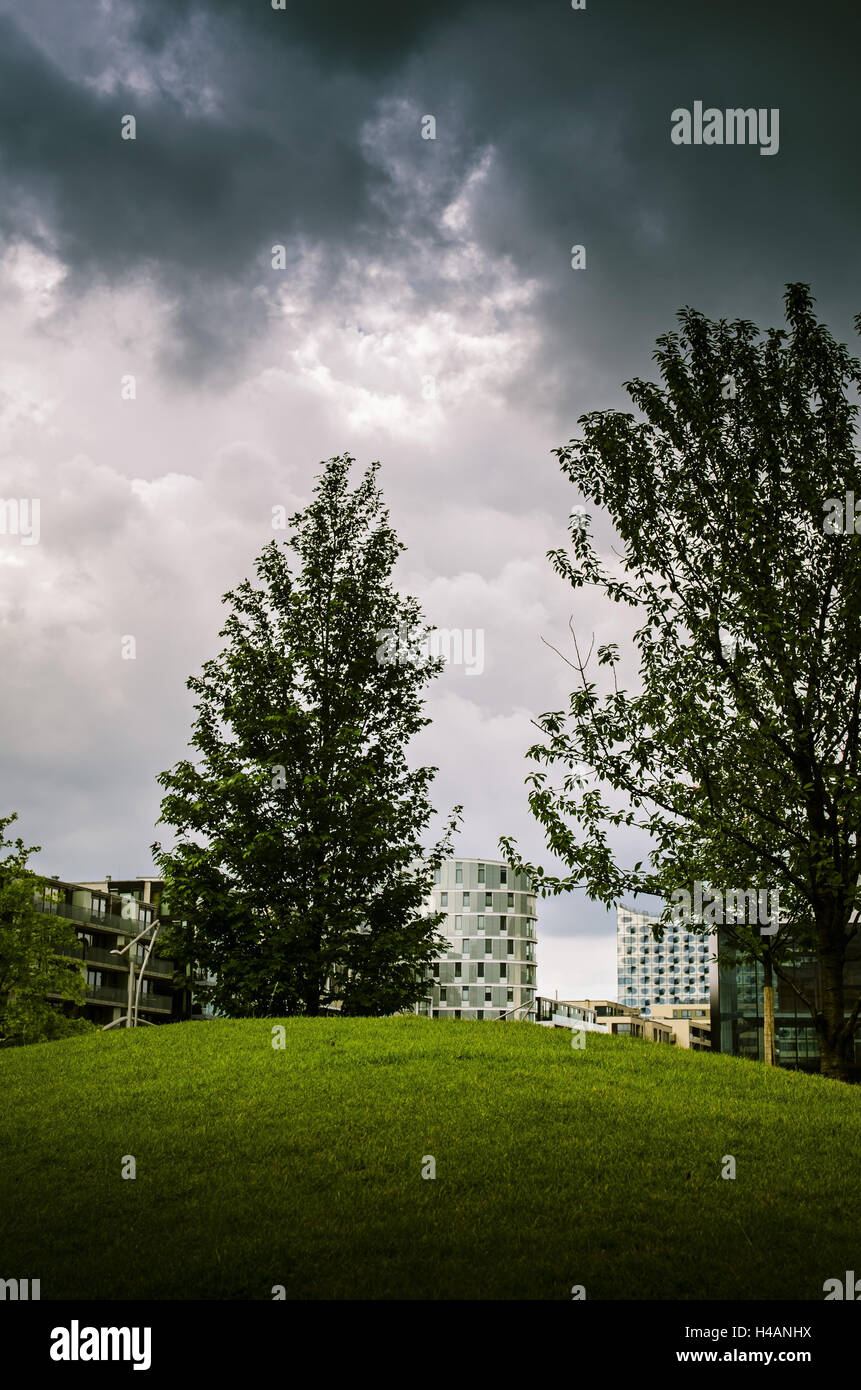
pixel 435 1013
pixel 503 971
pixel 458 970
pixel 436 874
pixel 503 925
pixel 457 1013
pixel 479 1013
pixel 443 898
pixel 511 900
pixel 488 900
pixel 487 996
pixel 458 923
pixel 458 873
pixel 488 947
pixel 466 902
pixel 509 994
pixel 509 946
pixel 503 876
pixel 480 970
pixel 481 873
pixel 464 994
pixel 442 994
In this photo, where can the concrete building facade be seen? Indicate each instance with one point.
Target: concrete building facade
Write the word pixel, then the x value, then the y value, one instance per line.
pixel 691 1024
pixel 488 969
pixel 625 1021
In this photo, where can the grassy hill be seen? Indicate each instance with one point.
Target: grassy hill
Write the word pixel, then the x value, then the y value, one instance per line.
pixel 302 1166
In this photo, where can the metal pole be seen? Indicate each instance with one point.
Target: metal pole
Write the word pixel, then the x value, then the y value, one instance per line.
pixel 155 927
pixel 121 952
pixel 530 1004
pixel 131 983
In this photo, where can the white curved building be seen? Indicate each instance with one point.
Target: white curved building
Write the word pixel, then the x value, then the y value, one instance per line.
pixel 489 968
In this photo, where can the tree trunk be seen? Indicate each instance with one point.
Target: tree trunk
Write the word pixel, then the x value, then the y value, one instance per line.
pixel 769 1050
pixel 836 1044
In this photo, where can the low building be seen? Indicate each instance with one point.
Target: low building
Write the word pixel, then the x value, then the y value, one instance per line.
pixel 605 1009
pixel 691 1025
pixel 649 1029
pixel 563 1013
pixel 625 1021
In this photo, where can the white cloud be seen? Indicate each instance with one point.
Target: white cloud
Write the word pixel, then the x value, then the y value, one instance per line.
pixel 153 507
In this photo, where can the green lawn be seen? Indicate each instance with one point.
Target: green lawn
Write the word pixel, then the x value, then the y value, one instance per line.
pixel 302 1166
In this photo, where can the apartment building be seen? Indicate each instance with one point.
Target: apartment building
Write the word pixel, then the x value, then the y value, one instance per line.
pixel 106 915
pixel 652 973
pixel 488 968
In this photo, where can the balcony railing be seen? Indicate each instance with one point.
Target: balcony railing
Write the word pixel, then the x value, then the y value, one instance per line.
pixel 156 965
pixel 109 921
pixel 105 994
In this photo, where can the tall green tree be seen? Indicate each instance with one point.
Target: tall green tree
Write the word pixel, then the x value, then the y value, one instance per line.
pixel 298 876
pixel 32 963
pixel 740 753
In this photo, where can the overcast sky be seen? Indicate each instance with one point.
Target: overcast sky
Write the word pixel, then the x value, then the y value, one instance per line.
pixel 405 259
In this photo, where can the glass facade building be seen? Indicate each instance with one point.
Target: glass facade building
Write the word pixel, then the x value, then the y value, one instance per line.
pixel 488 969
pixel 736 1010
pixel 650 972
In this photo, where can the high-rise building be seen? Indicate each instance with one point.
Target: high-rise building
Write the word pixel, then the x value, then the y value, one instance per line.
pixel 488 970
pixel 650 972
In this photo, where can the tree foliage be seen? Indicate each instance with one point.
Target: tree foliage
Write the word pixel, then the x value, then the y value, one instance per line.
pixel 739 755
pixel 298 876
pixel 32 963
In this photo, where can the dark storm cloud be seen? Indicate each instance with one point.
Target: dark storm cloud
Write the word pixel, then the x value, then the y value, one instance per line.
pixel 197 200
pixel 371 37
pixel 575 105
pixel 579 107
pixel 191 190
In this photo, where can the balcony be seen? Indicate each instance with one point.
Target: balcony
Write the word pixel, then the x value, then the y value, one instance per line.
pixel 108 921
pixel 104 994
pixel 97 955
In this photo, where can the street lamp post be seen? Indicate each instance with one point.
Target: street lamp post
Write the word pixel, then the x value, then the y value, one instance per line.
pixel 130 1017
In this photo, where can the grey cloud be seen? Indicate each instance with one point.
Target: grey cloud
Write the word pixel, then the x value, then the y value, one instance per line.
pixel 575 106
pixel 372 36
